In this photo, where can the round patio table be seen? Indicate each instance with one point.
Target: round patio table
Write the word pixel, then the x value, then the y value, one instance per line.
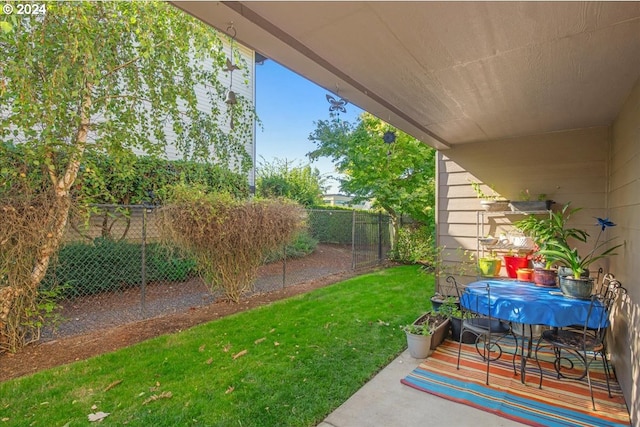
pixel 526 303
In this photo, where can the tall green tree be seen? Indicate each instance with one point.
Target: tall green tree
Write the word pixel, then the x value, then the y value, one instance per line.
pixel 398 176
pixel 107 77
pixel 281 178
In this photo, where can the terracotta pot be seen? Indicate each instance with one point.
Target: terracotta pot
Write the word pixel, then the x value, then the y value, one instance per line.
pixel 545 277
pixel 525 274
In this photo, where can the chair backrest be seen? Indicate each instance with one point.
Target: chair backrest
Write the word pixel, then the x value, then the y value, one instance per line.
pixel 452 281
pixel 603 284
pixel 600 308
pixel 467 307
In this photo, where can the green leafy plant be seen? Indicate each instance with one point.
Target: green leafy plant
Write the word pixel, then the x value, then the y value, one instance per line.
pixel 570 257
pixel 415 244
pixel 544 231
pixel 477 187
pixel 525 196
pixel 282 178
pixel 423 329
pixel 302 245
pixel 451 308
pixel 106 265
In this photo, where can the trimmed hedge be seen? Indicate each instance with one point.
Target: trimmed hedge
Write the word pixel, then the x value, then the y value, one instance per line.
pixel 108 266
pixel 331 225
pixel 302 246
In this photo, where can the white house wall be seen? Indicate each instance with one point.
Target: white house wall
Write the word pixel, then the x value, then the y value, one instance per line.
pixel 243 85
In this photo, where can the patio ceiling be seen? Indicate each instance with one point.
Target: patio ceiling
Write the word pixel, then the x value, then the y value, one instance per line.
pixel 452 73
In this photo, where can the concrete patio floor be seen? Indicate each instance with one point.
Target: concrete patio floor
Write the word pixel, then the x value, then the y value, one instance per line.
pixel 384 401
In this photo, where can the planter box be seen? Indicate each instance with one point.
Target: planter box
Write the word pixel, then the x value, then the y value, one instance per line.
pixel 441 331
pixel 528 206
pixel 494 205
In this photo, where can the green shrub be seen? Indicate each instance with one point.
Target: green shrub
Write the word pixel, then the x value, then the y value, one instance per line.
pixel 165 264
pixel 106 266
pixel 301 246
pixel 331 225
pixel 415 244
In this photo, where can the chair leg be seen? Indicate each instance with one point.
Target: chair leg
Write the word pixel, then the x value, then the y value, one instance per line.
pixel 587 363
pixel 459 349
pixel 487 343
pixel 605 364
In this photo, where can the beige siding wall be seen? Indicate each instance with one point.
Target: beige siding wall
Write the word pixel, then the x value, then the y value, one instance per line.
pixel 597 169
pixel 565 166
pixel 624 209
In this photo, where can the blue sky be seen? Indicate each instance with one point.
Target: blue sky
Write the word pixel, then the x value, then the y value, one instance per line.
pixel 288 105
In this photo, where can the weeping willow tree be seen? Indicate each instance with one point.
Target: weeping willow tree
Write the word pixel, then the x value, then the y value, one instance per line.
pixel 108 77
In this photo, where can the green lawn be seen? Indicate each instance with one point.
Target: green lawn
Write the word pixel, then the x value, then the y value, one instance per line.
pixel 304 357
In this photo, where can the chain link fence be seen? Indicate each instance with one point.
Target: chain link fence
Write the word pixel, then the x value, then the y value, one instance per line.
pixel 112 270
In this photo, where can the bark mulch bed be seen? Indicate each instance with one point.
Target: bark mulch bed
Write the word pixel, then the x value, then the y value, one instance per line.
pixel 48 354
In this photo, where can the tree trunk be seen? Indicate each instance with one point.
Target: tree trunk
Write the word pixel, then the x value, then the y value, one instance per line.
pixel 59 213
pixel 19 298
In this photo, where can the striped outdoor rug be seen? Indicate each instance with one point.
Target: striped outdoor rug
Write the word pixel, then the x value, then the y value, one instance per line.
pixel 559 403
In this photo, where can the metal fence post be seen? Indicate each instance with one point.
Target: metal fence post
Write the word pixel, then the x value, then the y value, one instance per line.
pixel 284 266
pixel 143 271
pixel 379 236
pixel 353 240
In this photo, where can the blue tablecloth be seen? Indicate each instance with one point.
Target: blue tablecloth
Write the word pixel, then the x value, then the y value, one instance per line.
pixel 526 303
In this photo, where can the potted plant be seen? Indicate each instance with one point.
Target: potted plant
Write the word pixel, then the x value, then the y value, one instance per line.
pixel 489 266
pixel 451 309
pixel 489 202
pixel 546 229
pixel 514 261
pixel 418 340
pixel 576 285
pixel 439 325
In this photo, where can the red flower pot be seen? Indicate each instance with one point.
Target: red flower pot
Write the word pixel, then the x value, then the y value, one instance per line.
pixel 513 263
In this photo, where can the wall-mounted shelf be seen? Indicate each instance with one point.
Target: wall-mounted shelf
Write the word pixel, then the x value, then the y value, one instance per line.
pixel 500 223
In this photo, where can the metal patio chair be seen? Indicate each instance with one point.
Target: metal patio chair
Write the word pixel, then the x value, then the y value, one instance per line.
pixel 587 343
pixel 489 331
